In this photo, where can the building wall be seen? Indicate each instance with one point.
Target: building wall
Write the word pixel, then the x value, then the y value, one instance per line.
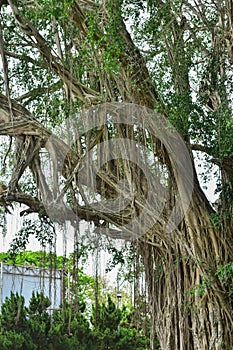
pixel 26 279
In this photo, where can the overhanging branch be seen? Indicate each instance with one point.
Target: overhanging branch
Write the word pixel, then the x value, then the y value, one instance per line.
pixel 84 93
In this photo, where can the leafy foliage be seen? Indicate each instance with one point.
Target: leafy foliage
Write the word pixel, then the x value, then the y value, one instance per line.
pixel 33 258
pixel 33 327
pixel 43 230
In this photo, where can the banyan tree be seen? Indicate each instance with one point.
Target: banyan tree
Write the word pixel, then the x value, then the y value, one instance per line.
pixel 106 109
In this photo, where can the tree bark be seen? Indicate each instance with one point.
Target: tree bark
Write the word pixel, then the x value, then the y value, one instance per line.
pixel 192 308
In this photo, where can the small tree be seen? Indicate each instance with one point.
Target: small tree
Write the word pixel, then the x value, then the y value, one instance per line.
pixel 39 320
pixel 112 331
pixel 14 313
pixel 14 325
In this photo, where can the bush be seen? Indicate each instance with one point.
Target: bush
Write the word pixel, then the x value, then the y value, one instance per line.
pixel 33 328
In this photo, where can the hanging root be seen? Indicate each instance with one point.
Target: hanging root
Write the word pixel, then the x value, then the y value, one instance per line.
pixel 3 201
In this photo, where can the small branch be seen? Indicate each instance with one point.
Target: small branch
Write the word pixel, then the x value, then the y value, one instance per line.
pixel 24 58
pixel 40 90
pixel 201 148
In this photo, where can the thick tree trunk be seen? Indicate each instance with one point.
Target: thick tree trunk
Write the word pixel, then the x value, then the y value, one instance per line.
pixel 191 308
pixel 189 321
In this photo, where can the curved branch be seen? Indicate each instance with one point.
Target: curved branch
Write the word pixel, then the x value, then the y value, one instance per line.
pixel 22 121
pixel 55 211
pixel 84 93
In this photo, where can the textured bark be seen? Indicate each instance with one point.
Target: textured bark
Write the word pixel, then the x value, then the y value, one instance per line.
pixel 192 309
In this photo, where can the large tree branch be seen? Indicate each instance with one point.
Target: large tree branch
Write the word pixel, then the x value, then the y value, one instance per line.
pixel 60 212
pixel 132 65
pixel 20 121
pixel 84 93
pixel 225 163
